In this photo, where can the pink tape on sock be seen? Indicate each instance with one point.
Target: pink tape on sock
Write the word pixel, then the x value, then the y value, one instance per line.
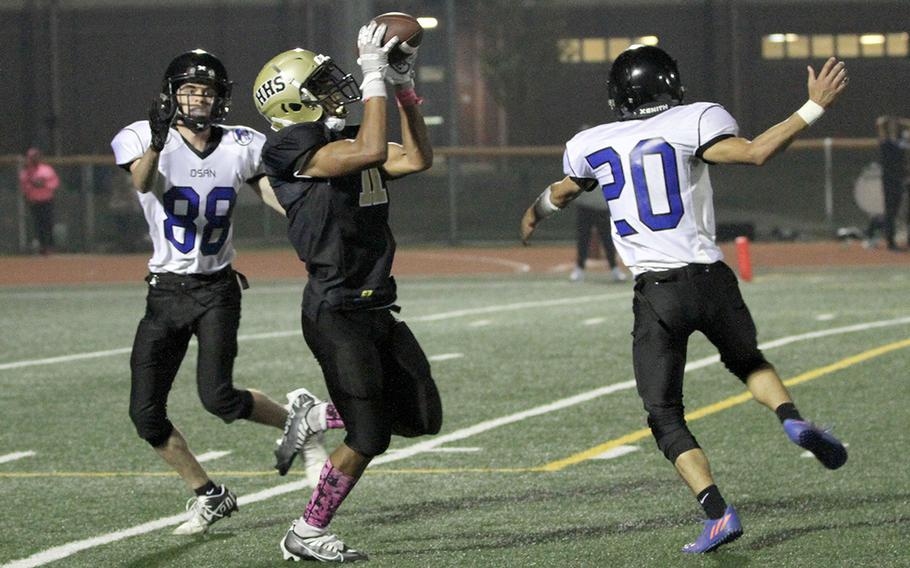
pixel 334 485
pixel 408 97
pixel 332 418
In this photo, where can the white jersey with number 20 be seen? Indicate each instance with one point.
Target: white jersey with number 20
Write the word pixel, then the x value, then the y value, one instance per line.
pixel 656 184
pixel 190 224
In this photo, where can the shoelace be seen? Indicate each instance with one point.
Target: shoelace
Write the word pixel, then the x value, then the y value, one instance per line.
pixel 200 505
pixel 329 541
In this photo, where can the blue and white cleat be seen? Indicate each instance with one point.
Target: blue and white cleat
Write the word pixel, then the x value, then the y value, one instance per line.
pixel 824 446
pixel 717 532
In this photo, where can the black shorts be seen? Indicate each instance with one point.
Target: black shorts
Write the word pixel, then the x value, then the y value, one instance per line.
pixel 178 307
pixel 669 306
pixel 377 376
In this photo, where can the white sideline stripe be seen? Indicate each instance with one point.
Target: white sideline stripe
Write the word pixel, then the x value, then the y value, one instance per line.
pixel 514 265
pixel 452 450
pixel 278 334
pixel 616 452
pixel 480 323
pixel 16 456
pixel 445 356
pixel 65 550
pixel 209 456
pixel 594 321
pixel 824 317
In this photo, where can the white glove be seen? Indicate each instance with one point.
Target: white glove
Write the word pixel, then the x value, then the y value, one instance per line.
pixel 374 58
pixel 401 74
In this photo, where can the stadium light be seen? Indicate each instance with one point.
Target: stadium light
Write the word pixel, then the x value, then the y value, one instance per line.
pixel 782 38
pixel 428 22
pixel 648 40
pixel 872 39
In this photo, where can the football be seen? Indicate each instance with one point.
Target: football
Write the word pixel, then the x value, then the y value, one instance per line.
pixel 406 27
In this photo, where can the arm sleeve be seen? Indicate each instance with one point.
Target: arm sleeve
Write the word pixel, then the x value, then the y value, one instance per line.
pixel 131 143
pixel 282 150
pixel 714 124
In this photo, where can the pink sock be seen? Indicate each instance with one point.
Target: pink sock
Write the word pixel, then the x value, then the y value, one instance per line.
pixel 332 418
pixel 334 485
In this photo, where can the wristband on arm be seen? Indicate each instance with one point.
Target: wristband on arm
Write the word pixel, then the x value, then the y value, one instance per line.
pixel 543 207
pixel 408 97
pixel 810 112
pixel 373 86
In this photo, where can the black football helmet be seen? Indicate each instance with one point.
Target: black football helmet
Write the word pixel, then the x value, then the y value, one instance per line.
pixel 644 81
pixel 199 66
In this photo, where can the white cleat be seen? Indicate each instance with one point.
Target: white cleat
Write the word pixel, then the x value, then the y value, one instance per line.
pixel 207 510
pixel 577 274
pixel 303 435
pixel 619 275
pixel 325 547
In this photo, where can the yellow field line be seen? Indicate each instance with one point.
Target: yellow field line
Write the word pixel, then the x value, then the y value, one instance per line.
pixel 725 404
pixel 549 467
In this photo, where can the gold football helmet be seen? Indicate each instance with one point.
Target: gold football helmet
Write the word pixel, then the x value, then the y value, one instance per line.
pixel 301 86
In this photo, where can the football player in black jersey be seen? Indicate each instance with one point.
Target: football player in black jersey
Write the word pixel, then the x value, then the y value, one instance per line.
pixel 331 181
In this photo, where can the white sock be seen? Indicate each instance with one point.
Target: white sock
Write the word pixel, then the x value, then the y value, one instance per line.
pixel 303 530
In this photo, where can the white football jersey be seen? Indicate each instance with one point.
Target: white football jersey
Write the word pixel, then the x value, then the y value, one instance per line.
pixel 651 174
pixel 190 225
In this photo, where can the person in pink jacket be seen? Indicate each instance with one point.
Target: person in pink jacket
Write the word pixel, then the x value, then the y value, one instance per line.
pixel 38 182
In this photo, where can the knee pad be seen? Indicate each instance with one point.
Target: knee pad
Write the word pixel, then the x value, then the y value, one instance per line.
pixel 668 425
pixel 228 404
pixel 152 425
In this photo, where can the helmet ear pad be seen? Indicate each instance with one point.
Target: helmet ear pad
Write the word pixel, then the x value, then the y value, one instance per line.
pixel 644 80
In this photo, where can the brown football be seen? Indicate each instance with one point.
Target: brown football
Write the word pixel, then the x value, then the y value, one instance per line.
pixel 405 26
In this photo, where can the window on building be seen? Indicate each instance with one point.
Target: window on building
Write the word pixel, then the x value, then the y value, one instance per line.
pixel 598 49
pixel 822 46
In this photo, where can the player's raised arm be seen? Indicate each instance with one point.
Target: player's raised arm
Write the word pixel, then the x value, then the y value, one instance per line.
pixel 370 147
pixel 415 153
pixel 555 197
pixel 162 114
pixel 824 89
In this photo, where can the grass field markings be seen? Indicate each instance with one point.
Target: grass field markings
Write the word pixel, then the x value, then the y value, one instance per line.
pixel 593 321
pixel 16 456
pixel 449 450
pixel 445 357
pixel 71 548
pixel 213 455
pixel 518 306
pixel 824 317
pixel 480 323
pixel 616 452
pixel 295 333
pixel 727 403
pixel 514 265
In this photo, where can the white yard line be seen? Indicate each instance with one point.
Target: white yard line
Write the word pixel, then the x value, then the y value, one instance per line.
pixel 480 323
pixel 66 550
pixel 616 452
pixel 16 456
pixel 209 456
pixel 445 356
pixel 515 266
pixel 593 321
pixel 280 334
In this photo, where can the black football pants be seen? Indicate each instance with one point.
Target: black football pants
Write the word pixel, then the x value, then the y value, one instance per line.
pixel 669 306
pixel 178 307
pixel 377 375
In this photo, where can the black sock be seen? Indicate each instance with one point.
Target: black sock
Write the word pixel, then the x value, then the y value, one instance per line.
pixel 712 502
pixel 207 488
pixel 787 411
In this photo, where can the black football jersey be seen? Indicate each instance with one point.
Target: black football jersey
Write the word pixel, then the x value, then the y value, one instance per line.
pixel 338 226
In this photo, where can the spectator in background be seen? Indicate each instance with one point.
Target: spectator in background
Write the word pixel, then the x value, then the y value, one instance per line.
pixel 592 211
pixel 892 146
pixel 38 182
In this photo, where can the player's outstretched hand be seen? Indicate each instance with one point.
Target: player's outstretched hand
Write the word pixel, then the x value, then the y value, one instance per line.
pixel 401 73
pixel 162 112
pixel 374 55
pixel 830 82
pixel 528 224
